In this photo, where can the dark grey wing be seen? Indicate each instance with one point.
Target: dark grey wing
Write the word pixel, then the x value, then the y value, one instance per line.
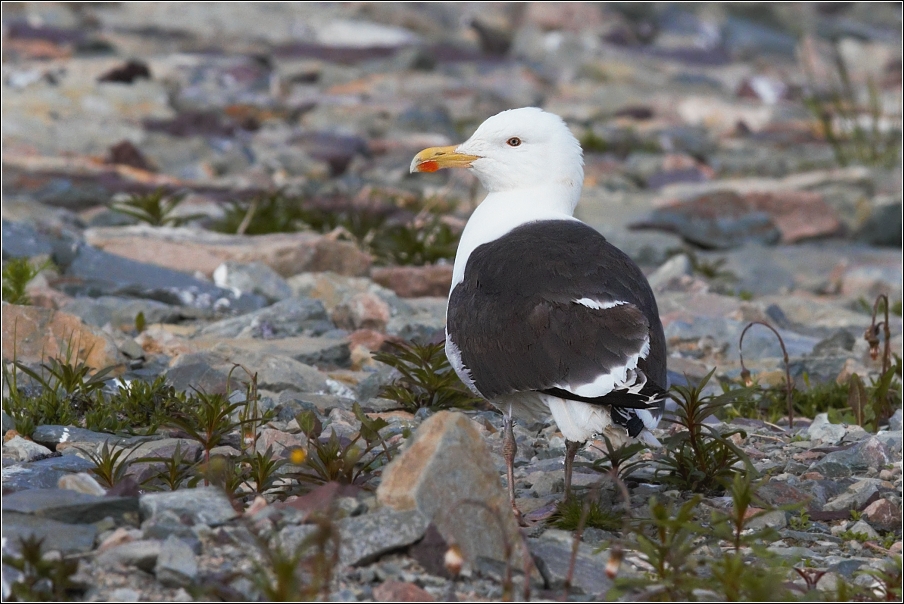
pixel 552 306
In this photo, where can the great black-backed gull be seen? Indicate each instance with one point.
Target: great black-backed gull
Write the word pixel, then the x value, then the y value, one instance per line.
pixel 545 315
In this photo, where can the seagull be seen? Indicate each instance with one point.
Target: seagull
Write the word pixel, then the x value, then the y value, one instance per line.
pixel 544 315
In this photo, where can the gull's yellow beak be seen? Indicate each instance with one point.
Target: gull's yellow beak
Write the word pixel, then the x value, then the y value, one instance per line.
pixel 437 158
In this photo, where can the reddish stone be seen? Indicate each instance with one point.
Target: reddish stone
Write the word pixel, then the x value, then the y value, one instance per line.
pixel 883 514
pixel 779 493
pixel 400 591
pixel 362 311
pixel 368 338
pixel 797 214
pixel 415 281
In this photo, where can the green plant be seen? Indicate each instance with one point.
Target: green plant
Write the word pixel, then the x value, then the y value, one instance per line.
pixel 17 272
pixel 572 514
pixel 852 127
pixel 335 459
pixel 177 470
pixel 616 461
pixel 148 405
pixel 207 418
pixel 427 378
pixel 299 573
pixel 42 579
pixel 110 464
pixel 263 470
pixel 424 240
pixel 800 522
pixel 155 209
pixel 699 458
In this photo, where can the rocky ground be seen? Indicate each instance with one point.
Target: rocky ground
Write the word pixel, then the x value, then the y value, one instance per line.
pixel 705 160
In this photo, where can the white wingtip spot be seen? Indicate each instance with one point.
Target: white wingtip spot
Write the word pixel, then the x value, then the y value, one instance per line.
pixel 597 304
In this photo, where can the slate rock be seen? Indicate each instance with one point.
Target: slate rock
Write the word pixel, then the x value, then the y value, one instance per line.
pixel 552 554
pixel 895 421
pixel 366 537
pixel 94 273
pixel 68 506
pixel 177 564
pixel 168 523
pixel 63 537
pixel 25 450
pixel 203 505
pixel 893 440
pixel 52 435
pixel 865 455
pixel 289 317
pixel 42 474
pixel 23 240
pixel 446 465
pixel 120 312
pixel 142 554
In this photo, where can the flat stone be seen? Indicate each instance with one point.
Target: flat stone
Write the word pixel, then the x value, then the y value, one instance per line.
pixel 367 537
pixel 190 250
pixel 52 435
pixel 60 536
pixel 177 565
pixel 776 519
pixel 142 554
pixel 203 505
pixel 552 553
pixel 778 493
pixel 68 506
pixel 94 272
pixel 446 466
pixel 865 455
pixel 33 335
pixel 415 281
pixel 120 312
pixel 42 474
pixel 25 450
pixel 287 318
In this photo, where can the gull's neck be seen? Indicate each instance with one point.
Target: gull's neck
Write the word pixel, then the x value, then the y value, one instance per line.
pixel 502 211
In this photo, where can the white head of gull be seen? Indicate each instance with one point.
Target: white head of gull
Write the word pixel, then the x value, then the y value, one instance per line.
pixel 545 316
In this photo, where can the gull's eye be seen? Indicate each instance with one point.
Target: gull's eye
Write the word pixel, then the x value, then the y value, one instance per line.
pixel 513 142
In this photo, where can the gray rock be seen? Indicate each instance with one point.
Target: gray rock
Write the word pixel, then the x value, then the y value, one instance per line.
pixel 823 430
pixel 51 436
pixel 289 317
pixel 776 519
pixel 861 527
pixel 854 498
pixel 142 554
pixel 22 240
pixel 66 505
pixel 329 351
pixel 840 340
pixel 254 278
pixel 869 454
pixel 125 594
pixel 94 272
pixel 203 505
pixel 883 227
pixel 552 553
pixel 8 423
pixel 422 320
pixel 60 536
pixel 25 450
pixel 121 312
pixel 177 565
pixel 894 440
pixel 365 538
pixel 42 474
pixel 169 523
pixel 895 421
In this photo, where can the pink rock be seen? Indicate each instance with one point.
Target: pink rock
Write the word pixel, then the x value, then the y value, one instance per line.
pixel 362 311
pixel 401 591
pixel 415 281
pixel 883 514
pixel 194 250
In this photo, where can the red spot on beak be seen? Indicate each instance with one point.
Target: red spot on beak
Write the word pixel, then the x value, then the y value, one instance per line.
pixel 428 166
